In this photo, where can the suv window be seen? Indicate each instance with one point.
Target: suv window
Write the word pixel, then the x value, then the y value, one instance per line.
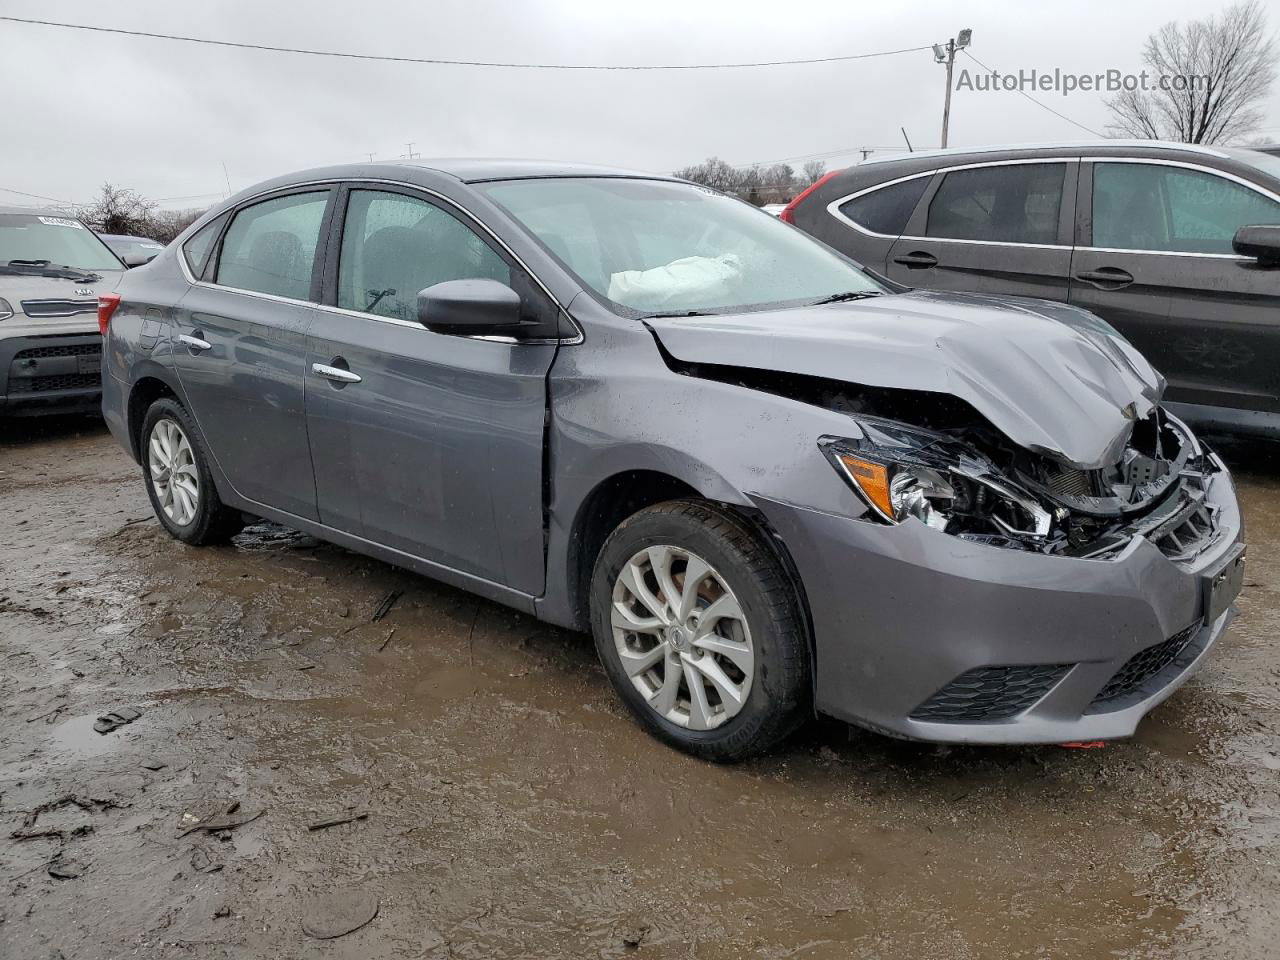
pixel 1147 206
pixel 197 249
pixel 886 209
pixel 1009 203
pixel 270 247
pixel 394 245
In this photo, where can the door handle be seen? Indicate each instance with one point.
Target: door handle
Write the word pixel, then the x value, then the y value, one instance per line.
pixel 1106 278
pixel 194 342
pixel 336 374
pixel 918 260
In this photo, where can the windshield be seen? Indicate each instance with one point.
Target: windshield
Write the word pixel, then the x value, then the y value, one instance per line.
pixel 653 246
pixel 62 241
pixel 1266 162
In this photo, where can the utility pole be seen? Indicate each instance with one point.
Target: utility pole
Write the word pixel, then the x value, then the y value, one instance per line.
pixel 411 155
pixel 946 53
pixel 866 151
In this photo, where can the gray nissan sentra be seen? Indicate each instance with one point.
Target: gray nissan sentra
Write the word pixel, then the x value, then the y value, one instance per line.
pixel 767 482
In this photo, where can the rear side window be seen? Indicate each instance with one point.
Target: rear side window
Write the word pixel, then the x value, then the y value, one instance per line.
pixel 1143 206
pixel 887 209
pixel 198 248
pixel 1009 203
pixel 270 247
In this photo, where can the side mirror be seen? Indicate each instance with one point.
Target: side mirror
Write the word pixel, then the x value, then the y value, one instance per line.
pixel 132 260
pixel 1260 242
pixel 469 306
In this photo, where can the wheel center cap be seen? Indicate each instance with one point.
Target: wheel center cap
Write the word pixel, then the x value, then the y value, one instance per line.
pixel 678 637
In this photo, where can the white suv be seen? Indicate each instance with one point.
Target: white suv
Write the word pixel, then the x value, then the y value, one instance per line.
pixel 52 268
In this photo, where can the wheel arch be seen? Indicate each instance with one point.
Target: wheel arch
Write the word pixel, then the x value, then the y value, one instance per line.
pixel 146 389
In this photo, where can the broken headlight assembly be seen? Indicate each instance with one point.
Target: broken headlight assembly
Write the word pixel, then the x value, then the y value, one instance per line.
pixel 945 483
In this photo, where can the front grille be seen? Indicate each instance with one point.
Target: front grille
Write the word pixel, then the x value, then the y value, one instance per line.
pixel 990 694
pixel 1127 686
pixel 65 350
pixel 71 381
pixel 58 308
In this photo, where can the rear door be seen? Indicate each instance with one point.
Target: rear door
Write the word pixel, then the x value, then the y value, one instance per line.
pixel 240 346
pixel 1155 261
pixel 433 443
pixel 1001 227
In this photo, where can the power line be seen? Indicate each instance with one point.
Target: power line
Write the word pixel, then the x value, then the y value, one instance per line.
pixel 35 196
pixel 460 63
pixel 1044 106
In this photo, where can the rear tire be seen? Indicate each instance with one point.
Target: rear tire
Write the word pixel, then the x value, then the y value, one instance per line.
pixel 179 483
pixel 736 633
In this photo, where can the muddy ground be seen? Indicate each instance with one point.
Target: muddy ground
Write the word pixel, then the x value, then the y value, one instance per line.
pixel 513 810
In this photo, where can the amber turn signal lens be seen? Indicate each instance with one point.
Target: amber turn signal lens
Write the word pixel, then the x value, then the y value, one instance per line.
pixel 872 479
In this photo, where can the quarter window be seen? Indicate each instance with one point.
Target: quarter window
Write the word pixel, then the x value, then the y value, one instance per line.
pixel 270 247
pixel 1007 203
pixel 1146 206
pixel 887 209
pixel 197 249
pixel 394 245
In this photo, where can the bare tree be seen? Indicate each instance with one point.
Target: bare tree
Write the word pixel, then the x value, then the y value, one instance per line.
pixel 165 225
pixel 714 173
pixel 812 171
pixel 1211 75
pixel 118 210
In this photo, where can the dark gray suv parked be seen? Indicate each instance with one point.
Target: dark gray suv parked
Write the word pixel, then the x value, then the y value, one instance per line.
pixel 1146 235
pixel 631 405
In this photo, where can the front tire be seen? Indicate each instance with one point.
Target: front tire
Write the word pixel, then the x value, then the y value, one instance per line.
pixel 700 631
pixel 179 483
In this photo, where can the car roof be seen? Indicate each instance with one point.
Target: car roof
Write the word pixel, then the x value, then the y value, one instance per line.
pixel 1103 146
pixel 127 236
pixel 479 169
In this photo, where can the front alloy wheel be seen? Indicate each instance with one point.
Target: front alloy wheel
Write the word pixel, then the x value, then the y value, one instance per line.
pixel 682 638
pixel 174 476
pixel 700 629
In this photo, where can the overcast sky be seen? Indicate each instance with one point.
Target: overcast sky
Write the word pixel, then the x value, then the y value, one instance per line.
pixel 164 117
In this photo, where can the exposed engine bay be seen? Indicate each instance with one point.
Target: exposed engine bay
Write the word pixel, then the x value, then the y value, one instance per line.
pixel 934 458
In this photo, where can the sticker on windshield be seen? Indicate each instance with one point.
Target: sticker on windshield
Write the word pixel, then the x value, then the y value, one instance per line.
pixel 61 222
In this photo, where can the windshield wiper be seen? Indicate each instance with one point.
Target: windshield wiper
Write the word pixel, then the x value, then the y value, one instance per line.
pixel 43 268
pixel 679 313
pixel 846 296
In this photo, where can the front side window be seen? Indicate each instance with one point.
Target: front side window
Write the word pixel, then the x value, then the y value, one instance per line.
pixel 270 247
pixel 1006 203
pixel 655 246
pixel 394 246
pixel 1147 206
pixel 886 210
pixel 61 241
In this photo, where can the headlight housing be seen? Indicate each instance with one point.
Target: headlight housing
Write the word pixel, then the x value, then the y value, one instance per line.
pixel 903 472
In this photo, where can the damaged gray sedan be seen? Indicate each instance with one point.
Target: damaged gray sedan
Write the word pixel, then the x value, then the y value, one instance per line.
pixel 766 481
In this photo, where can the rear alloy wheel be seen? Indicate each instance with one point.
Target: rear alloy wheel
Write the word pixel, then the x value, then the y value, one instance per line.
pixel 700 630
pixel 174 476
pixel 178 480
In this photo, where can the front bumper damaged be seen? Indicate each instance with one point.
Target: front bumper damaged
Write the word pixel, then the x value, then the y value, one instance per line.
pixel 923 635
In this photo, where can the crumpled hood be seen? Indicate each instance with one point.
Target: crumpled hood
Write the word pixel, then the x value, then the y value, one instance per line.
pixel 1053 378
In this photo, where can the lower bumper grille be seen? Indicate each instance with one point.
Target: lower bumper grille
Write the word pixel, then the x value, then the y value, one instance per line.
pixel 990 694
pixel 71 381
pixel 1128 683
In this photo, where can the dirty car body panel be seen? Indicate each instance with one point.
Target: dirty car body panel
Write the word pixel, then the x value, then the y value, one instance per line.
pixel 923 625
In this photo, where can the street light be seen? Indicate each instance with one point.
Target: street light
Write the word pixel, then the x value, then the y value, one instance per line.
pixel 946 53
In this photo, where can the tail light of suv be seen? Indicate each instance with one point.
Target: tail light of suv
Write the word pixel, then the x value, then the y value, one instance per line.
pixel 789 214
